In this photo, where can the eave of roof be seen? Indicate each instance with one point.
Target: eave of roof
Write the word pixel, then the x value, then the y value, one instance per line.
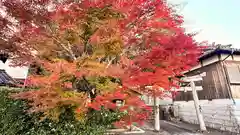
pixel 220 51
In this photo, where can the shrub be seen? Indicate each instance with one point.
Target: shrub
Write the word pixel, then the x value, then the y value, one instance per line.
pixel 15 121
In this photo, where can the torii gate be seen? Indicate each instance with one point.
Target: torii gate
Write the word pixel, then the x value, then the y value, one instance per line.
pixel 194 90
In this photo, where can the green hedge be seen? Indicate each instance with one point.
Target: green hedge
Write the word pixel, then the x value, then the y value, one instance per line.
pixel 15 121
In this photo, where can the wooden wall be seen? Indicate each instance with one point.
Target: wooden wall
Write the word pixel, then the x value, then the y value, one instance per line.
pixel 233 68
pixel 215 84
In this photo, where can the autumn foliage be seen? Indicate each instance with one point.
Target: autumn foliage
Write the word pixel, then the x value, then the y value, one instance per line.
pixel 92 52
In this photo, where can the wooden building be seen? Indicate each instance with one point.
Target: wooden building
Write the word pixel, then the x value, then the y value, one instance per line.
pixel 222 80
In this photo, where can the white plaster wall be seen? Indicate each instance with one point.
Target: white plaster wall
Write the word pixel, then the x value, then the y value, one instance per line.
pixel 164 100
pixel 236 57
pixel 227 57
pixel 219 114
pixel 235 89
pixel 205 63
pixel 15 72
pixel 210 60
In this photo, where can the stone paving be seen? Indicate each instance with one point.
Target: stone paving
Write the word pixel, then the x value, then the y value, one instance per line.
pixel 170 128
pixel 188 129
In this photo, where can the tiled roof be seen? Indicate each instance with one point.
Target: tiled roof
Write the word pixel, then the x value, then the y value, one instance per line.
pixel 5 79
pixel 219 50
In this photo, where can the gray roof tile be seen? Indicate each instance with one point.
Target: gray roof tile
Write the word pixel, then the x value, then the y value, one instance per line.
pixel 5 79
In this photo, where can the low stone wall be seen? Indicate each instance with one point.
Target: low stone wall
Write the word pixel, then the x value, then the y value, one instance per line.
pixel 219 114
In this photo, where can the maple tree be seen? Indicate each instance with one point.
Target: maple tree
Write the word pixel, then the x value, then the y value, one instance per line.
pixel 90 53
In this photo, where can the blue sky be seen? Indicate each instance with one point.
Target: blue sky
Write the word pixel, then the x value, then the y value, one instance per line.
pixel 217 20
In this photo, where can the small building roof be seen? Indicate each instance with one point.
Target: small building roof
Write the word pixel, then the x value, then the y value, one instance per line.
pixel 5 79
pixel 219 49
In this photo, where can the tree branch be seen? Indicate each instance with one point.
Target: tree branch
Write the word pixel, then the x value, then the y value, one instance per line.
pixel 109 63
pixel 66 48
